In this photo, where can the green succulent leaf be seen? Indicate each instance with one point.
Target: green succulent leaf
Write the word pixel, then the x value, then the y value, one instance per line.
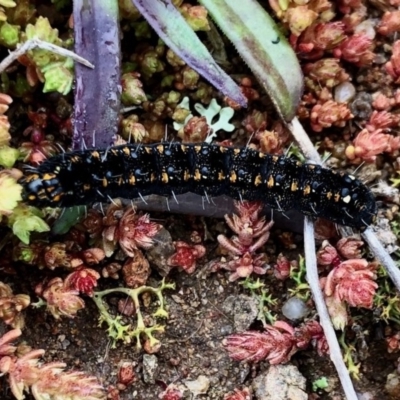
pixel 70 217
pixel 264 48
pixel 26 219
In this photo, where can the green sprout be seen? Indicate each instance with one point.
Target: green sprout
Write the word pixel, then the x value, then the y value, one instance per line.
pixel 348 352
pixel 321 383
pixel 395 181
pixel 386 299
pixel 117 330
pixel 302 289
pixel 264 300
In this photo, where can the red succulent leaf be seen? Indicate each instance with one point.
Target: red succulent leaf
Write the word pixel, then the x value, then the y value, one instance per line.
pixel 186 256
pixel 83 280
pixel 277 344
pixel 354 282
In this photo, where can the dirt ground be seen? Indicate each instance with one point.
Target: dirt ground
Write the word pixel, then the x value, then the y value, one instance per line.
pixel 199 319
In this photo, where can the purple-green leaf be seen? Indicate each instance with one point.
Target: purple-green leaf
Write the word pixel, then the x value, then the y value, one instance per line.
pixel 263 47
pixel 172 28
pixel 98 91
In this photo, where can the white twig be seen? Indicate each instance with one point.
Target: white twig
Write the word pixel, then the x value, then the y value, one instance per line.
pixel 37 43
pixel 324 318
pixel 381 254
pixel 301 137
pixel 312 154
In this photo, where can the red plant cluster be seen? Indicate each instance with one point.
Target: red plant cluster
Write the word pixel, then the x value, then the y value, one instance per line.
pixel 276 344
pixel 356 49
pixel 350 282
pixel 332 34
pixel 283 267
pixel 45 381
pixel 353 281
pixel 60 298
pixel 195 130
pixel 329 113
pixel 11 306
pixel 274 140
pixel 393 66
pixel 126 374
pixel 393 343
pixel 373 139
pixel 172 392
pixel 186 256
pixel 84 280
pixel 252 232
pixel 129 229
pixel 136 270
pixel 38 148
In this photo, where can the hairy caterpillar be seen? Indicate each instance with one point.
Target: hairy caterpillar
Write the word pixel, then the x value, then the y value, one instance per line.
pixel 167 169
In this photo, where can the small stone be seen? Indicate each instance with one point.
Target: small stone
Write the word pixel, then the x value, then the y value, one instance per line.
pixel 161 250
pixel 150 366
pixel 244 310
pixel 199 386
pixel 295 309
pixel 344 92
pixel 392 386
pixel 280 382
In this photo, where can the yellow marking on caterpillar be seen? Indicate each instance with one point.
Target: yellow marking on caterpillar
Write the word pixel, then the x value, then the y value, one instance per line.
pixel 197 175
pixel 257 180
pixel 48 176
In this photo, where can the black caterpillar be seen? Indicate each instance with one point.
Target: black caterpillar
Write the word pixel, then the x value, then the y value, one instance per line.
pixel 129 171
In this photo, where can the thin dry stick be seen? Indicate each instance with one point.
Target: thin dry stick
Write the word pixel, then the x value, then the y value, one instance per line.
pixel 324 318
pixel 40 44
pixel 301 137
pixel 310 152
pixel 382 255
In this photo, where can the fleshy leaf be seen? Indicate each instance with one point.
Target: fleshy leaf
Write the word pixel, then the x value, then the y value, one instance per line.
pixel 172 28
pixel 263 47
pixel 68 219
pixel 25 220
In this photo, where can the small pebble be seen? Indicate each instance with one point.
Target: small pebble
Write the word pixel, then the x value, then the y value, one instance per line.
pixel 295 309
pixel 344 92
